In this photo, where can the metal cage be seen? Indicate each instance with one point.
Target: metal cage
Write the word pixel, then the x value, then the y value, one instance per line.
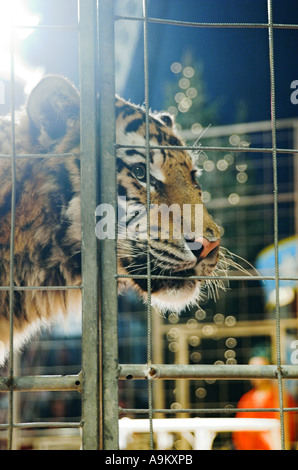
pixel 99 378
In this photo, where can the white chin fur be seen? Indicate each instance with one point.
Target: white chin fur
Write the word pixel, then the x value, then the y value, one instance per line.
pixel 174 300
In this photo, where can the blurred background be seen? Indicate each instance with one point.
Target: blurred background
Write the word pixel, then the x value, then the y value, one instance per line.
pixel 216 82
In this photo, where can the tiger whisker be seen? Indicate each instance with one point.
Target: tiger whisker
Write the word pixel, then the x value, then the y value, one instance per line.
pixel 224 265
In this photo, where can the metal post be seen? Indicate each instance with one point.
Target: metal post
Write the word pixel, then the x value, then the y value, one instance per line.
pixel 89 201
pixel 109 302
pixel 275 215
pixel 100 337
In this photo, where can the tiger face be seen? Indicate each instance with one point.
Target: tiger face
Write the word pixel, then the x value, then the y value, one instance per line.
pixel 47 246
pixel 183 240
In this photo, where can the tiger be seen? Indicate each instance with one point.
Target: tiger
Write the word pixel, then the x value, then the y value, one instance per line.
pixel 47 214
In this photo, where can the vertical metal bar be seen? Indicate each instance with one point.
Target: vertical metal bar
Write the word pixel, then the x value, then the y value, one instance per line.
pixel 181 357
pixel 275 216
pixel 159 401
pixel 12 242
pixel 109 303
pixel 89 201
pixel 295 164
pixel 147 137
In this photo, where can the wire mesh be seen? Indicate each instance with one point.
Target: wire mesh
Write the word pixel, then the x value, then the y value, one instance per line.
pixel 150 371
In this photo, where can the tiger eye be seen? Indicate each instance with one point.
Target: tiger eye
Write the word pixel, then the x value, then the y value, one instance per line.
pixel 139 171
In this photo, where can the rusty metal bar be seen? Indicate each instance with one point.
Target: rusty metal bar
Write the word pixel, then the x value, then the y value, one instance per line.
pixel 194 372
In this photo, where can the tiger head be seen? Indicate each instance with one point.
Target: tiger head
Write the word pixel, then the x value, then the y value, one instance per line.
pixel 180 235
pixel 183 240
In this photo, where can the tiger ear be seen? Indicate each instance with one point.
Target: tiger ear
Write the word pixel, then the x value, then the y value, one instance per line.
pixel 53 106
pixel 167 119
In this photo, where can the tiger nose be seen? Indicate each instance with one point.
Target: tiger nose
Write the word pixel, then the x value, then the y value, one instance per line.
pixel 201 247
pixel 206 246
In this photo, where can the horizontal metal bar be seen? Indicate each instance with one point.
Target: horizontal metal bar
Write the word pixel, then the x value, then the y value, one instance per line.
pixel 42 155
pixel 43 424
pixel 210 148
pixel 160 147
pixel 21 288
pixel 243 128
pixel 194 24
pixel 42 383
pixel 186 371
pixel 226 411
pixel 202 278
pixel 48 26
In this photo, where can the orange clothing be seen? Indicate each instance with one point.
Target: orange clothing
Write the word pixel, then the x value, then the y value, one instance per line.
pixel 268 398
